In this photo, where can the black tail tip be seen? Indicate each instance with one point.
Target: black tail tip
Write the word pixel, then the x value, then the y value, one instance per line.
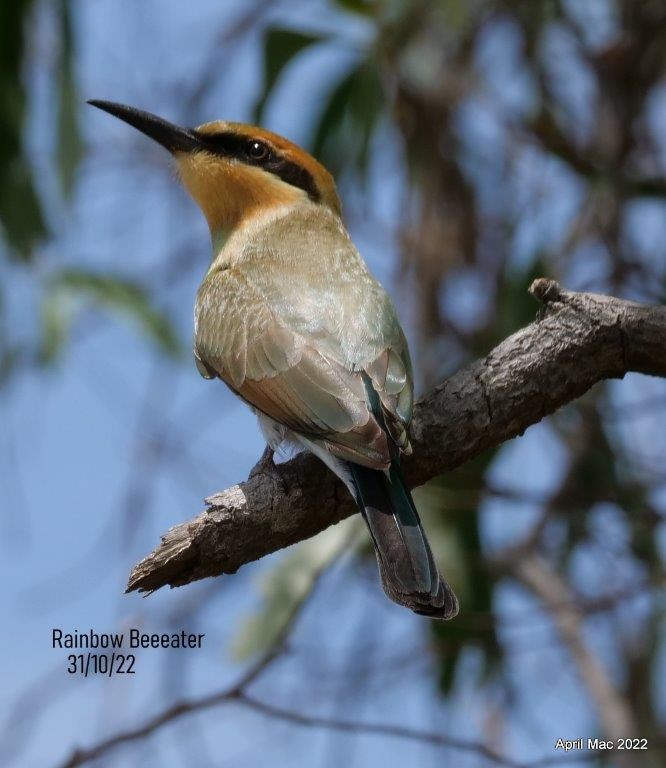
pixel 440 604
pixel 444 606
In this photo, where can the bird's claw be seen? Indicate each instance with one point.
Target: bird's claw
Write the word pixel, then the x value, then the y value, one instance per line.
pixel 265 463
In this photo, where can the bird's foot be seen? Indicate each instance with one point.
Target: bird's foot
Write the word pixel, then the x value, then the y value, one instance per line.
pixel 267 467
pixel 265 464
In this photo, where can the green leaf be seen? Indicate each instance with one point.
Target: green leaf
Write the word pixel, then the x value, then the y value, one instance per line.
pixel 332 116
pixel 288 583
pixel 10 360
pixel 450 509
pixel 70 147
pixel 280 47
pixel 56 317
pixel 361 7
pixel 71 291
pixel 20 213
pixel 344 131
pixel 11 353
pixel 516 307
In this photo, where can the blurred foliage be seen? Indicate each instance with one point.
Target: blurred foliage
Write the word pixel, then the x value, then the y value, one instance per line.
pixel 448 506
pixel 20 212
pixel 468 208
pixel 280 47
pixel 69 144
pixel 23 219
pixel 419 71
pixel 363 7
pixel 68 292
pixel 346 125
pixel 288 584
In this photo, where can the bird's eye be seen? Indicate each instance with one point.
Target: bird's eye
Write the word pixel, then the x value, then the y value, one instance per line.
pixel 257 150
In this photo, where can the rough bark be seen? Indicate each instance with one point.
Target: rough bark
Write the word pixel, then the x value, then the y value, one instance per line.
pixel 579 340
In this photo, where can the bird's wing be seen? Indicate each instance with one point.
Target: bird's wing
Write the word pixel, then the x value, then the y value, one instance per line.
pixel 298 327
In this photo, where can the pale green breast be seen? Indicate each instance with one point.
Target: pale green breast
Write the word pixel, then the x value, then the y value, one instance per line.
pixel 294 286
pixel 312 276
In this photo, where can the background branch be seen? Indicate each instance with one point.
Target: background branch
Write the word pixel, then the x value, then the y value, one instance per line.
pixel 239 695
pixel 615 715
pixel 579 340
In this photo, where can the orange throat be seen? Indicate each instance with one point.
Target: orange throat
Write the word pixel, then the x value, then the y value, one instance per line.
pixel 229 193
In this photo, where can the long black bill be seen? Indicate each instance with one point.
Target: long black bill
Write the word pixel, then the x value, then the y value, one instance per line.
pixel 172 137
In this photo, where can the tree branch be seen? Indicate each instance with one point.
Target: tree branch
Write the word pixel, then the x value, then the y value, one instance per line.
pixel 239 695
pixel 579 340
pixel 235 692
pixel 615 714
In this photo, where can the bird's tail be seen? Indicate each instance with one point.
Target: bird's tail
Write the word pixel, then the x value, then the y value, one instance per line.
pixel 406 565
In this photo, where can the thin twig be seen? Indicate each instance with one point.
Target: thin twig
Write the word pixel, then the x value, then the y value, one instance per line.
pixel 547 585
pixel 232 693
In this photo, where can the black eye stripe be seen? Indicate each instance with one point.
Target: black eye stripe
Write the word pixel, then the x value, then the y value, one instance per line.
pixel 225 144
pixel 294 174
pixel 239 147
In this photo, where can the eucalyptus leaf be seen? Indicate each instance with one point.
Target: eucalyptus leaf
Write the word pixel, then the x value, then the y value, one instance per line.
pixel 20 212
pixel 71 291
pixel 362 7
pixel 288 583
pixel 280 47
pixel 346 125
pixel 451 509
pixel 69 146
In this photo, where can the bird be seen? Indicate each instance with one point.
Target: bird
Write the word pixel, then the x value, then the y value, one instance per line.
pixel 290 318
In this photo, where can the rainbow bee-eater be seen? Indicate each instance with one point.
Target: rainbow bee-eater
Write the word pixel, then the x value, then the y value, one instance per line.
pixel 290 318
